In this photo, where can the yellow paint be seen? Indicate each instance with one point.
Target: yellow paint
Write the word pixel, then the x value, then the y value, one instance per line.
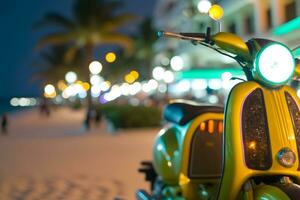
pixel 183 179
pixel 190 187
pixel 297 71
pixel 280 130
pixel 232 44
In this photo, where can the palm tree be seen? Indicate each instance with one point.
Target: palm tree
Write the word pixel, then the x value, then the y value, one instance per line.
pixel 142 59
pixel 53 65
pixel 145 41
pixel 94 23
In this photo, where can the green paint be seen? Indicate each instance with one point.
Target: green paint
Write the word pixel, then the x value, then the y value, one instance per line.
pixel 207 73
pixel 288 27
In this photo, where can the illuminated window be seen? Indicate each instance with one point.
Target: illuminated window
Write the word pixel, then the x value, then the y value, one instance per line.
pixel 249 24
pixel 290 11
pixel 269 19
pixel 232 28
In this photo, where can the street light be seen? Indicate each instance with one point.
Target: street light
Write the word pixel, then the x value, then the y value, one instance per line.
pixel 49 91
pixel 158 73
pixel 216 12
pixel 95 67
pixel 177 63
pixel 110 57
pixel 71 77
pixel 96 79
pixel 168 76
pixel 204 6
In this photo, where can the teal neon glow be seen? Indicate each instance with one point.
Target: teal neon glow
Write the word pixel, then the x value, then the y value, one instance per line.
pixel 274 65
pixel 288 27
pixel 297 52
pixel 207 73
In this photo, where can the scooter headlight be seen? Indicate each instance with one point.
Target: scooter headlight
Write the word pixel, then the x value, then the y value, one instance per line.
pixel 274 65
pixel 286 157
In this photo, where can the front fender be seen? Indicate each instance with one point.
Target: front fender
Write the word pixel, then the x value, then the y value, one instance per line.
pixel 269 192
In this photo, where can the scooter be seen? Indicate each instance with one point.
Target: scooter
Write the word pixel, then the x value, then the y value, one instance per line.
pixel 259 155
pixel 194 131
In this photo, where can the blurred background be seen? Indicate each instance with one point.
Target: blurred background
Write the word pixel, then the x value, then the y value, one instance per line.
pixel 83 84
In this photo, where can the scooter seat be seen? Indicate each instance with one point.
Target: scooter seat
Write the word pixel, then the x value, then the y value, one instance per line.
pixel 181 112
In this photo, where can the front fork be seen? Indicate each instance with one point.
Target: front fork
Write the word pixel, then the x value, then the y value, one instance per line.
pixel 284 189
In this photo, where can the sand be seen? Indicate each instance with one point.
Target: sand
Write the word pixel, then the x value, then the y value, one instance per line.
pixel 55 158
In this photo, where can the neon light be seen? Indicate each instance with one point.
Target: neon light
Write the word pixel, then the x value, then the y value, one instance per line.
pixel 207 73
pixel 288 27
pixel 296 53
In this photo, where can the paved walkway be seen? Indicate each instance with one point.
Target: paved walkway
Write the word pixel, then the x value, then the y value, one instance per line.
pixel 54 158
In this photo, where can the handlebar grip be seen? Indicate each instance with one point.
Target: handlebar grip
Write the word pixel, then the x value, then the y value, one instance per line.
pixel 185 36
pixel 194 35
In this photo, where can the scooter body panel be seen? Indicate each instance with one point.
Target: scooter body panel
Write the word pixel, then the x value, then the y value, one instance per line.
pixel 236 169
pixel 194 187
pixel 171 155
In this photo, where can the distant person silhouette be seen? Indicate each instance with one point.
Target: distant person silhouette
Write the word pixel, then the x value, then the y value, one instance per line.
pixel 87 121
pixel 44 108
pixel 4 122
pixel 98 117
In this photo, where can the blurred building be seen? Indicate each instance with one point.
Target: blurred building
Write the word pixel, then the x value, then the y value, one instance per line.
pixel 277 19
pixel 274 19
pixel 247 18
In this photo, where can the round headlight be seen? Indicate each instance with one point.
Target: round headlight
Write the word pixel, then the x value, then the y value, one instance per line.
pixel 286 157
pixel 274 65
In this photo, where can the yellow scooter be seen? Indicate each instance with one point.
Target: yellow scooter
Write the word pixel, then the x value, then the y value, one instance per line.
pixel 194 131
pixel 261 139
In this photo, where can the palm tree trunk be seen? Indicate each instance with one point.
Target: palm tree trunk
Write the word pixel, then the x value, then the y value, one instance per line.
pixel 86 72
pixel 89 59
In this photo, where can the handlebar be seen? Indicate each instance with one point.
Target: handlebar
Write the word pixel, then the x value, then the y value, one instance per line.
pixel 197 37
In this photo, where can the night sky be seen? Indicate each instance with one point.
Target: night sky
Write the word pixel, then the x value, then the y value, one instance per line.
pixel 17 39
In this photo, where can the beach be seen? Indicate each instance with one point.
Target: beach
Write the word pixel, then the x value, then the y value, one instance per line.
pixel 55 158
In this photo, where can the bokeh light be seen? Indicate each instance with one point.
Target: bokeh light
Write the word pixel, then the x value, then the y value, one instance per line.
pixel 95 67
pixel 158 73
pixel 96 79
pixel 105 86
pixel 110 57
pixel 49 91
pixel 71 77
pixel 168 76
pixel 135 74
pixel 129 78
pixel 216 12
pixel 61 85
pixel 176 63
pixel 204 6
pixel 86 86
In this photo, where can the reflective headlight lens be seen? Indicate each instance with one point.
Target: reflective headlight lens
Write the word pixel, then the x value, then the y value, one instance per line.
pixel 274 65
pixel 286 157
